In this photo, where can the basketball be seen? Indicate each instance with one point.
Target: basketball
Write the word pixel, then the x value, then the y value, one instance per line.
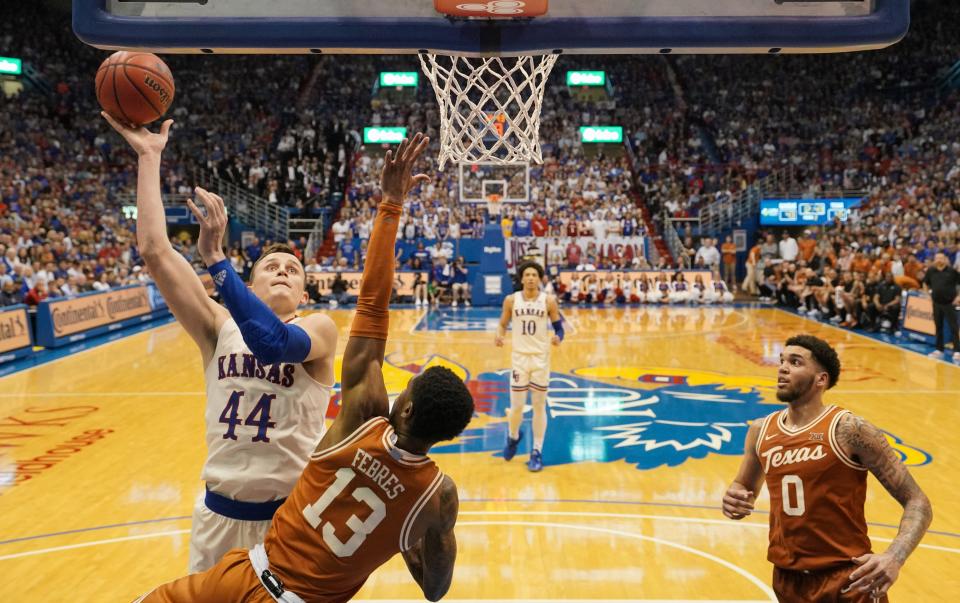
pixel 135 88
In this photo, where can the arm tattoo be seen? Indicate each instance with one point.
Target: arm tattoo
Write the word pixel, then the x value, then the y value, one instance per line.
pixel 867 445
pixel 449 504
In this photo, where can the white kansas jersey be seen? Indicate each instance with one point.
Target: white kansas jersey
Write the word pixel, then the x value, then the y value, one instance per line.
pixel 531 332
pixel 262 421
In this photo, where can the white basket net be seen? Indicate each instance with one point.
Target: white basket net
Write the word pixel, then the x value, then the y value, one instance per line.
pixel 494 203
pixel 489 107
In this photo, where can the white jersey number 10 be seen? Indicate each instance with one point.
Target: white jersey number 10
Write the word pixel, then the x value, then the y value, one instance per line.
pixel 528 327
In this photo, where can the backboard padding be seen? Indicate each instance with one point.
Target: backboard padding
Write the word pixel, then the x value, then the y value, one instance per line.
pixel 571 26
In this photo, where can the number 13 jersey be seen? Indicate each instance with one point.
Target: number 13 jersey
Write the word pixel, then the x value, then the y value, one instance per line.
pixel 817 493
pixel 262 421
pixel 352 510
pixel 530 332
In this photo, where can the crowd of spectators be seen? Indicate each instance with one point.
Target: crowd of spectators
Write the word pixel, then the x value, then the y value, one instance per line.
pixel 702 128
pixel 830 122
pixel 571 194
pixel 63 171
pixel 853 273
pixel 699 128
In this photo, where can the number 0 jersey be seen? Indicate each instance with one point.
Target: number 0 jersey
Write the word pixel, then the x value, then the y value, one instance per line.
pixel 531 332
pixel 262 421
pixel 352 510
pixel 817 493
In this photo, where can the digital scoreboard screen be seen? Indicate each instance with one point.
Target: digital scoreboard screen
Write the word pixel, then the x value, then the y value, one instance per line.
pixel 805 212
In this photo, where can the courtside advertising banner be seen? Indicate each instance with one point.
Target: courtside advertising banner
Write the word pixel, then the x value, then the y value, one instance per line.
pixel 15 340
pixel 917 319
pixel 918 315
pixel 65 320
pixel 402 281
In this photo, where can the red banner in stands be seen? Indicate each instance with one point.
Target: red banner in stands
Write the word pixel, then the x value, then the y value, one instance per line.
pixel 492 9
pixel 552 251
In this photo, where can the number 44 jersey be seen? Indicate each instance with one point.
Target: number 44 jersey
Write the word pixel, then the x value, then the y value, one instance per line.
pixel 262 421
pixel 354 508
pixel 817 493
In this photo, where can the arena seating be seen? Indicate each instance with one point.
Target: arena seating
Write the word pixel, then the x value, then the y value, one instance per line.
pixel 698 128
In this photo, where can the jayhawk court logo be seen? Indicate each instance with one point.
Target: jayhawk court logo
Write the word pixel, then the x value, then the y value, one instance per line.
pixel 647 416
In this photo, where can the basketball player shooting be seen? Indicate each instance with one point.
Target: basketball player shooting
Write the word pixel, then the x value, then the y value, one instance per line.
pixel 814 459
pixel 268 374
pixel 369 490
pixel 527 310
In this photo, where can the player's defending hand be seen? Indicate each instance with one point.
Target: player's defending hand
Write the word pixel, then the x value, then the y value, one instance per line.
pixel 396 180
pixel 737 502
pixel 212 226
pixel 143 141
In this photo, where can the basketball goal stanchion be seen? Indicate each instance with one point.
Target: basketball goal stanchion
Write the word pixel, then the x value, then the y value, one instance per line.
pixel 489 107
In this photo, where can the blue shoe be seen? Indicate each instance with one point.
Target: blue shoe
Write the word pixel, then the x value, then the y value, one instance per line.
pixel 536 461
pixel 510 450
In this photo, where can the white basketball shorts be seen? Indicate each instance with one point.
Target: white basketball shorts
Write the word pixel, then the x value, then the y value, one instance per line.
pixel 212 535
pixel 530 371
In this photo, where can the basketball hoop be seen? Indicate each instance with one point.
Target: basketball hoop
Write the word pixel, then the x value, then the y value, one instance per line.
pixel 494 203
pixel 489 107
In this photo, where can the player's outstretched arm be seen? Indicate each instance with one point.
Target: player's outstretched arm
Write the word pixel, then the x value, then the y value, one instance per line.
pixel 866 444
pixel 178 282
pixel 504 321
pixel 268 337
pixel 364 394
pixel 431 560
pixel 739 498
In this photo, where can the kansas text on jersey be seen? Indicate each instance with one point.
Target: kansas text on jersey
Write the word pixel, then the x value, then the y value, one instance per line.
pixel 262 421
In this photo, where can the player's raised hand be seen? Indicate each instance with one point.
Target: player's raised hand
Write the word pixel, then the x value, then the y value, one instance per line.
pixel 876 574
pixel 143 141
pixel 213 225
pixel 737 502
pixel 396 179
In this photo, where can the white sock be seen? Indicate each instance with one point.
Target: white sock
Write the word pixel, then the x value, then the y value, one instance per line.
pixel 539 400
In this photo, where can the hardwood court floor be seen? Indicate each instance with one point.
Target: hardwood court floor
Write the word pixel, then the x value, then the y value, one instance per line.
pixel 648 412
